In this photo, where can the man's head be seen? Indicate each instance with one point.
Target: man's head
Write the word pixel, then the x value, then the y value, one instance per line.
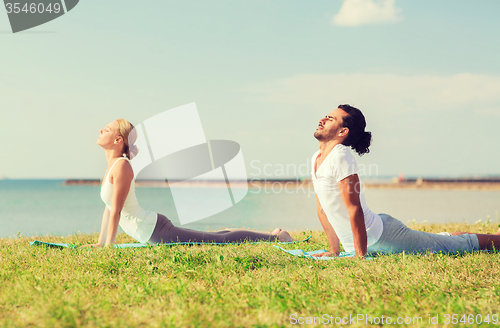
pixel 346 124
pixel 331 126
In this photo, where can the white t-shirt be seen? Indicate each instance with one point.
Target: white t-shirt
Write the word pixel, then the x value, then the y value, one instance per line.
pixel 338 165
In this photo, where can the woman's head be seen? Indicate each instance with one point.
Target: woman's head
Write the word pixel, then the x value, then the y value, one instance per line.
pixel 129 134
pixel 357 138
pixel 121 136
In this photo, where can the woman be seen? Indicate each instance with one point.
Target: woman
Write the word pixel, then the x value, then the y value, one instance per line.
pixel 341 204
pixel 118 193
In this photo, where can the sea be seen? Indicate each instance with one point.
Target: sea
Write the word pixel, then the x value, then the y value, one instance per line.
pixel 42 207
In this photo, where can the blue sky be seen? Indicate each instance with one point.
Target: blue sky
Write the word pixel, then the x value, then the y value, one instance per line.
pixel 262 73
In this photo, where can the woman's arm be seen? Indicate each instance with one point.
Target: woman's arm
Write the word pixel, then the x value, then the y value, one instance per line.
pixel 333 240
pixel 104 227
pixel 350 188
pixel 122 177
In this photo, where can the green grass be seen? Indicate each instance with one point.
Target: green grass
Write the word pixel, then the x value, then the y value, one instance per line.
pixel 236 285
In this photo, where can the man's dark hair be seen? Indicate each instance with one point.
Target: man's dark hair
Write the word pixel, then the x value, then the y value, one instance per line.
pixel 357 138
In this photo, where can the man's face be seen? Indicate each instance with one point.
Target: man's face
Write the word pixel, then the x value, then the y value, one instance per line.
pixel 330 127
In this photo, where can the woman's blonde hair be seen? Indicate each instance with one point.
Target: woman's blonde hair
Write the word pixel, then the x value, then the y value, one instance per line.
pixel 129 135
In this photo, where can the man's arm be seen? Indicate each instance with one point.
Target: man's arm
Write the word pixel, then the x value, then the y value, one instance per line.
pixel 349 189
pixel 333 240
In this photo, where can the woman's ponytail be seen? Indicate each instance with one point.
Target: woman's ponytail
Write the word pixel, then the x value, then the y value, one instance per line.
pixel 129 135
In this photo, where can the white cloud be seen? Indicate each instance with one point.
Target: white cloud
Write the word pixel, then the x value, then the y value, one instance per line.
pixel 389 93
pixel 362 12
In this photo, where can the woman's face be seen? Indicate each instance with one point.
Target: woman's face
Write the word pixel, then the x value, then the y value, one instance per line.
pixel 108 135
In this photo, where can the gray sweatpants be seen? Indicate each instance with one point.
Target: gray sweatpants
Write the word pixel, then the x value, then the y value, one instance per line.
pixel 166 232
pixel 396 238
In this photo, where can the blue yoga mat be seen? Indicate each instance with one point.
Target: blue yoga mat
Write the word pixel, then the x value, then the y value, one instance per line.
pixel 136 245
pixel 301 253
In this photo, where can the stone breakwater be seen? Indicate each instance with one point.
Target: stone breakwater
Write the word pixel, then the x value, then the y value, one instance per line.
pixel 464 184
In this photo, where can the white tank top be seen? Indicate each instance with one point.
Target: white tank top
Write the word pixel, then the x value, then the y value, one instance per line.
pixel 136 222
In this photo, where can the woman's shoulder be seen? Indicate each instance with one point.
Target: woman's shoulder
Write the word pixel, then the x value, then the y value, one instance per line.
pixel 123 168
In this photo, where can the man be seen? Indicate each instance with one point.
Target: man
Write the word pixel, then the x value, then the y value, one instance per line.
pixel 341 205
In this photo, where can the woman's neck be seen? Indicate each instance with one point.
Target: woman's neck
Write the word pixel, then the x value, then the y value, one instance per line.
pixel 112 155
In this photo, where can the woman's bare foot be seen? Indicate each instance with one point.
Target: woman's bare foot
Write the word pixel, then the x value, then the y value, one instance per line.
pixel 498 232
pixel 276 231
pixel 284 236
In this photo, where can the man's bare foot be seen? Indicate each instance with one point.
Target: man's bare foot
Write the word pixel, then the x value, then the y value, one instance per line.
pixel 276 231
pixel 284 236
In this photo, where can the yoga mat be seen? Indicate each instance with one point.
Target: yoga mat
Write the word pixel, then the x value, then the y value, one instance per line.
pixel 301 253
pixel 136 245
pixel 54 245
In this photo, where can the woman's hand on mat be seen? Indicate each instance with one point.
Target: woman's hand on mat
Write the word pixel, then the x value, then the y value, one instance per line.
pixel 329 254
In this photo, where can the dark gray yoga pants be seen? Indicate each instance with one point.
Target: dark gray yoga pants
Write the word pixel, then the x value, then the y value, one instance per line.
pixel 396 238
pixel 166 232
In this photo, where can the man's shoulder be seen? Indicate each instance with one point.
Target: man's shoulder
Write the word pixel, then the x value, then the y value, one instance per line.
pixel 341 151
pixel 341 148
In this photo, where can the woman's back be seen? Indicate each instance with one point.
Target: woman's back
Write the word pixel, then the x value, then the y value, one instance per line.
pixel 134 220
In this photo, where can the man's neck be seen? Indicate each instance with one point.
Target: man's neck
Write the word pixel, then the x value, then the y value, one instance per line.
pixel 325 147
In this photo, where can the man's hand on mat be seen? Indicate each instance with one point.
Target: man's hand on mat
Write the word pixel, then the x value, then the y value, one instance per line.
pixel 92 245
pixel 329 254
